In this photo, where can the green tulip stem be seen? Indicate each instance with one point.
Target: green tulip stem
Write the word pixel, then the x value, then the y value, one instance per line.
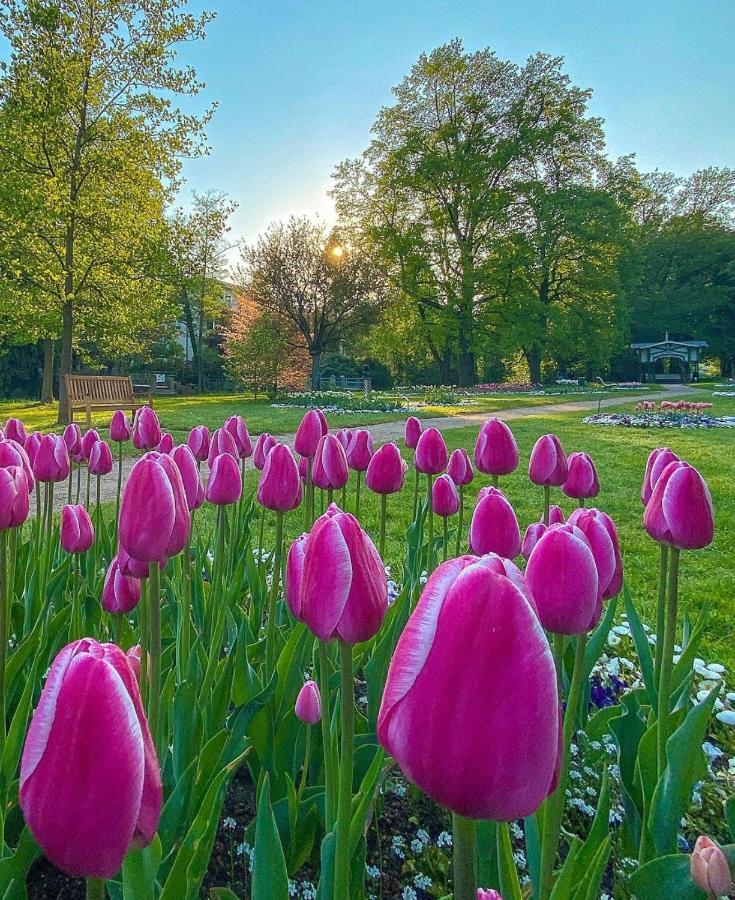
pixel 260 535
pixel 305 770
pixel 3 629
pixel 330 496
pixel 154 577
pixel 558 652
pixel 79 482
pixel 97 523
pixel 465 858
pixel 308 496
pixel 70 482
pixel 13 561
pixel 143 636
pixel 547 493
pixel 326 720
pixel 430 530
pixel 663 571
pixel 667 655
pixel 383 504
pixel 580 502
pixel 89 484
pixel 344 800
pixel 270 634
pixel 119 481
pixel 510 886
pixel 460 521
pixel 217 601
pixel 96 889
pixel 415 493
pixel 358 475
pixel 495 480
pixel 446 536
pixel 344 498
pixel 185 625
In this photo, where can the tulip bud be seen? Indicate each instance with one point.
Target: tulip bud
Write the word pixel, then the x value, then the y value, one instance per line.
pixel 33 442
pixel 184 459
pixel 710 869
pixel 581 481
pixel 77 531
pixel 166 444
pixel 496 451
pixel 431 456
pixel 344 591
pixel 90 786
pixel 12 454
pixel 444 496
pixel 133 657
pixel 225 482
pixel 303 468
pixel 14 497
pixel 360 450
pixel 311 429
pixel 15 431
pixel 279 488
pixel 459 467
pixel 198 442
pixel 329 469
pixel 386 470
pixel 120 429
pixel 531 538
pixel 295 575
pixel 494 526
pixel 100 458
pixel 548 464
pixel 457 662
pixel 222 442
pixel 73 438
pixel 52 460
pixel 89 439
pixel 120 593
pixel 488 894
pixel 344 436
pixel 263 446
pixel 413 432
pixel 309 703
pixel 680 510
pixel 589 522
pixel 236 426
pixel 556 516
pixel 657 461
pixel 132 568
pixel 146 429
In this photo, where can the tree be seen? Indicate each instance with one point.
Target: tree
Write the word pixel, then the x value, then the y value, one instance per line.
pixel 324 286
pixel 90 137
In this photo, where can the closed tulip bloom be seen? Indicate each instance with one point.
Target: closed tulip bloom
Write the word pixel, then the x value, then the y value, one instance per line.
pixel 120 593
pixel 309 703
pixel 444 496
pixel 225 482
pixel 680 510
pixel 77 531
pixel 279 488
pixel 548 464
pixel 311 429
pixel 154 515
pixel 166 444
pixel 221 442
pixel 133 657
pixel 581 481
pixel 52 460
pixel 236 426
pixel 562 576
pixel 15 431
pixel 120 430
pixel 198 441
pixel 263 446
pixel 531 538
pixel 360 450
pixel 12 454
pixel 657 461
pixel 590 523
pixel 72 438
pixel 295 575
pixel 710 869
pixel 184 459
pixel 33 442
pixel 431 456
pixel 146 429
pixel 449 714
pixel 413 432
pixel 494 527
pixel 90 786
pixel 89 439
pixel 488 894
pixel 133 568
pixel 100 458
pixel 496 451
pixel 14 497
pixel 386 470
pixel 616 582
pixel 459 467
pixel 330 469
pixel 303 468
pixel 556 516
pixel 344 436
pixel 344 592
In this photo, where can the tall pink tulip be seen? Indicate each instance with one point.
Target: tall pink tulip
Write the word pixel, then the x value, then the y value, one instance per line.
pixel 72 438
pixel 360 450
pixel 710 869
pixel 12 454
pixel 680 510
pixel 657 461
pixel 308 703
pixel 52 460
pixel 239 431
pixel 120 429
pixel 14 497
pixel 146 429
pixel 449 709
pixel 263 446
pixel 459 467
pixel 89 439
pixel 77 531
pixel 548 463
pixel 581 481
pixel 531 538
pixel 90 786
pixel 311 429
pixel 444 496
pixel 496 451
pixel 198 441
pixel 386 470
pixel 412 432
pixel 329 469
pixel 344 436
pixel 15 431
pixel 556 516
pixel 221 442
pixel 225 483
pixel 133 568
pixel 184 459
pixel 494 526
pixel 602 536
pixel 431 456
pixel 33 442
pixel 100 458
pixel 279 488
pixel 166 444
pixel 120 592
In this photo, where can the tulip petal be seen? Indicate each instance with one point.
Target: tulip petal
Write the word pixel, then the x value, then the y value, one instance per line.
pixel 327 575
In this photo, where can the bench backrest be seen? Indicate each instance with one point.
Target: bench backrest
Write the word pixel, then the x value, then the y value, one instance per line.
pixel 100 388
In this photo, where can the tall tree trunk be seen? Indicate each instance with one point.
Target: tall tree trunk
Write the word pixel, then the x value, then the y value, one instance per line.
pixel 315 365
pixel 65 361
pixel 47 383
pixel 466 368
pixel 533 357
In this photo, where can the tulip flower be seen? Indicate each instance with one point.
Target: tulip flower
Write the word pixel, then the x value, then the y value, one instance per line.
pixel 120 430
pixel 581 481
pixel 52 460
pixel 77 532
pixel 385 475
pixel 225 483
pixel 547 466
pixel 236 426
pixel 198 441
pixel 90 786
pixel 605 548
pixel 308 703
pixel 221 442
pixel 430 458
pixel 72 438
pixel 360 450
pixel 460 471
pixel 494 526
pixel 444 502
pixel 657 461
pixel 295 575
pixel 184 459
pixel 146 429
pixel 166 444
pixel 280 486
pixel 412 432
pixel 12 454
pixel 100 459
pixel 496 451
pixel 488 894
pixel 556 516
pixel 133 568
pixel 134 656
pixel 33 442
pixel 344 436
pixel 531 538
pixel 120 593
pixel 14 497
pixel 311 429
pixel 89 439
pixel 329 470
pixel 15 431
pixel 710 869
pixel 263 446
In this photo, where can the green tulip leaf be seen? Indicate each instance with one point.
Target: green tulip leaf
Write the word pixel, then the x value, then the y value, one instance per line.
pixel 270 878
pixel 643 648
pixel 667 876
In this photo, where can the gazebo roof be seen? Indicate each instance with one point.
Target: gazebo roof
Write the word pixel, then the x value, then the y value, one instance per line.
pixel 647 345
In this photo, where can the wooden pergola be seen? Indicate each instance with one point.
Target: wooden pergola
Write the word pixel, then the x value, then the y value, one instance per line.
pixel 682 356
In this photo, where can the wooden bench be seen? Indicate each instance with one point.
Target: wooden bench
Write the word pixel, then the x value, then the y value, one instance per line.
pixel 99 392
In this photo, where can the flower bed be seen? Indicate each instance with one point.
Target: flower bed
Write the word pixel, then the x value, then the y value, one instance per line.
pixel 340 402
pixel 660 420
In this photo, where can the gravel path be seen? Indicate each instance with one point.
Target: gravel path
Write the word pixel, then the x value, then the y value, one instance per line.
pixel 390 431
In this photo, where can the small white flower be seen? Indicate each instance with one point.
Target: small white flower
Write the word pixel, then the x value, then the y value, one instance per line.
pixel 229 823
pixel 444 839
pixel 727 716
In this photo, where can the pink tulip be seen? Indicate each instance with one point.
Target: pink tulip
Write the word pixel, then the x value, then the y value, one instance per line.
pixel 72 438
pixel 449 714
pixel 590 523
pixel 494 526
pixel 33 442
pixel 279 488
pixel 657 461
pixel 680 510
pixel 89 439
pixel 132 568
pixel 12 454
pixel 548 464
pixel 236 426
pixel 120 593
pixel 360 450
pixel 133 657
pixel 221 442
pixel 225 482
pixel 496 451
pixel 146 429
pixel 184 459
pixel 344 591
pixel 710 869
pixel 386 470
pixel 120 430
pixel 556 516
pixel 14 497
pixel 311 429
pixel 562 576
pixel 52 460
pixel 198 442
pixel 412 432
pixel 77 531
pixel 309 703
pixel 154 515
pixel 581 481
pixel 444 496
pixel 344 436
pixel 303 468
pixel 263 446
pixel 329 468
pixel 459 467
pixel 531 538
pixel 488 894
pixel 100 458
pixel 166 444
pixel 431 456
pixel 616 582
pixel 15 431
pixel 295 575
pixel 90 786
